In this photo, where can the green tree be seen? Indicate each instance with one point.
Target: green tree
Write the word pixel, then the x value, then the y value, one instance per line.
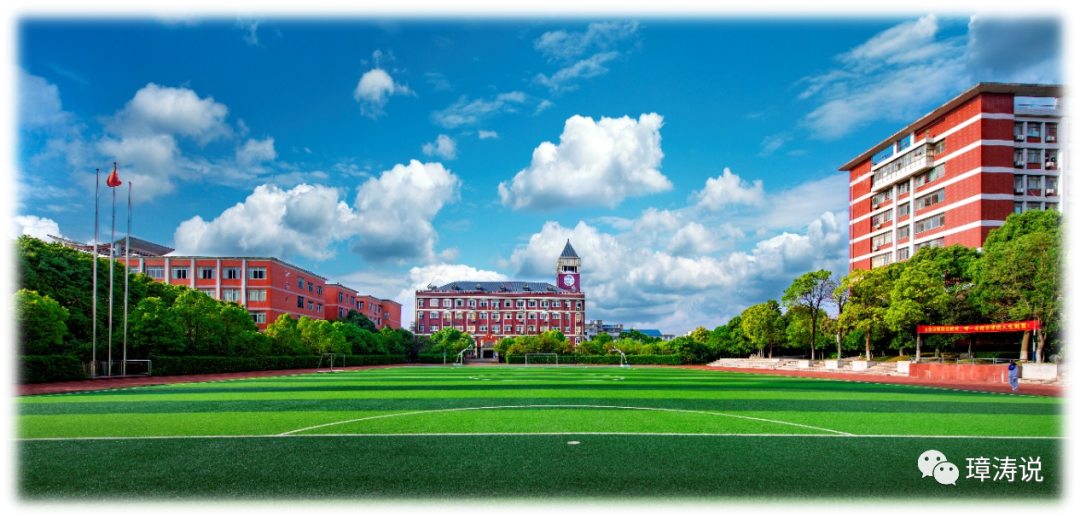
pixel 729 339
pixel 392 340
pixel 41 322
pixel 690 351
pixel 284 336
pixel 1022 279
pixel 761 324
pixel 235 322
pixel 839 297
pixel 915 296
pixel 700 334
pixel 450 341
pixel 868 300
pixel 360 320
pixel 799 328
pixel 1019 275
pixel 810 290
pixel 200 322
pixel 638 336
pixel 153 329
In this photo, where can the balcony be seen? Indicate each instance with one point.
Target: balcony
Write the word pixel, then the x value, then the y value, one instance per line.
pixel 915 161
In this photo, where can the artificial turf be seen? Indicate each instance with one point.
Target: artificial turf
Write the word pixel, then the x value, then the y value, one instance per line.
pixel 504 432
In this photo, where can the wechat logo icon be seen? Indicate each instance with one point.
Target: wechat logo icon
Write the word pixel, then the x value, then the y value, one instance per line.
pixel 932 463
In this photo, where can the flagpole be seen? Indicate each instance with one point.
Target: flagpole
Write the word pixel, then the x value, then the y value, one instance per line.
pixel 112 253
pixel 93 318
pixel 127 273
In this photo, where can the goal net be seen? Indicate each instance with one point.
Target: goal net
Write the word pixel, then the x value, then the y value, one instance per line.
pixel 327 359
pixel 542 359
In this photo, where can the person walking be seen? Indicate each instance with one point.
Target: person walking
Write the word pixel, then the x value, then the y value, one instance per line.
pixel 1014 375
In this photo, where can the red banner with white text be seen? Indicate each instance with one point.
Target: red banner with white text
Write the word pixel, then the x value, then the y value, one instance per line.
pixel 1029 325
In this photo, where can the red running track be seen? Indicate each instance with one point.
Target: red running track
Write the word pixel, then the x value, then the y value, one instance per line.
pixel 112 383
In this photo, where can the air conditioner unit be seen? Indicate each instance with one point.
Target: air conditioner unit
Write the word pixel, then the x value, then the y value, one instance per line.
pixel 1019 164
pixel 1051 192
pixel 1051 139
pixel 877 247
pixel 1019 138
pixel 1051 164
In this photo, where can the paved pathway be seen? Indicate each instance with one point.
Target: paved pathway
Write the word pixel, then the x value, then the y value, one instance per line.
pixel 101 384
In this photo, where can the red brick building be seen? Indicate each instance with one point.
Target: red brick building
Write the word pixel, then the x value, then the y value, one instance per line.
pixel 491 311
pixel 956 173
pixel 266 286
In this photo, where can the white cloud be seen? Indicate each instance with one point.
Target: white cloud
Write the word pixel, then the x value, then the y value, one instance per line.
pixel 250 26
pixel 563 80
pixel 895 75
pixel 581 54
pixel 438 81
pixel 727 189
pixel 467 113
pixel 159 110
pixel 34 226
pixel 148 162
pixel 545 104
pixel 444 147
pixel 595 163
pixel 488 134
pixel 39 102
pixel 176 15
pixel 394 212
pixel 302 221
pixel 639 285
pixel 1015 50
pixel 375 88
pixel 255 151
pixel 565 46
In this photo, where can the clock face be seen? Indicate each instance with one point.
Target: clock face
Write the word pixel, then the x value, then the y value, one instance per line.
pixel 568 280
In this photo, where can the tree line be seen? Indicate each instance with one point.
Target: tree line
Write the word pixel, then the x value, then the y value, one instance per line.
pixel 53 309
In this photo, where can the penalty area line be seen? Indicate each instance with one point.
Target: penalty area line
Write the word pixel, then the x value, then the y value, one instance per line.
pixel 495 434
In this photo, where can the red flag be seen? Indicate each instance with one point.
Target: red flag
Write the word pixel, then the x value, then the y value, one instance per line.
pixel 114 179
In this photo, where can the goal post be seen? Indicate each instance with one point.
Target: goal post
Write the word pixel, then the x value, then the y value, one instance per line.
pixel 323 360
pixel 542 359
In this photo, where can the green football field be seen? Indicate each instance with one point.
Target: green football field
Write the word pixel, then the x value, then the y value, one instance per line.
pixel 601 433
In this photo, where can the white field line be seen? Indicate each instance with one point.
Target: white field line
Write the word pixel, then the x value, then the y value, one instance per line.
pixel 493 434
pixel 563 406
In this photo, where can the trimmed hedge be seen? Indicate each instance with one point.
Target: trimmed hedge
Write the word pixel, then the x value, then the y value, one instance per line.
pixel 433 358
pixel 182 365
pixel 605 359
pixel 48 369
pixel 1008 355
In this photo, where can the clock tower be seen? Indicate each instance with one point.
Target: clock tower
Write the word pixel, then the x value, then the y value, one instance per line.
pixel 568 269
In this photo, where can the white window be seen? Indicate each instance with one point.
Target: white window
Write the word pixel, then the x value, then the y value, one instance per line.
pixel 434 329
pixel 931 243
pixel 434 314
pixel 1018 207
pixel 903 232
pixel 521 303
pixel 256 296
pixel 1051 186
pixel 483 329
pixel 495 317
pixel 258 316
pixel 881 239
pixel 532 329
pixel 156 272
pixel 1018 158
pixel 310 306
pixel 472 303
pixel 544 304
pixel 230 272
pixel 903 254
pixel 1034 156
pixel 933 198
pixel 929 223
pixel 180 272
pixel 483 303
pixel 300 282
pixel 1051 132
pixel 421 328
pixel 903 188
pixel 210 292
pixel 532 316
pixel 532 303
pixel 904 209
pixel 446 303
pixel 555 316
pixel 206 272
pixel 230 294
pixel 1051 159
pixel 257 272
pixel 880 260
pixel 936 173
pixel 519 329
pixel 555 304
pixel 133 269
pixel 881 219
pixel 318 307
pixel 459 303
pixel 1034 185
pixel 1018 131
pixel 1018 185
pixel 1034 129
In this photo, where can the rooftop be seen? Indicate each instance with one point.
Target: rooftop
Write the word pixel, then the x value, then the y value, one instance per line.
pixel 498 287
pixel 1025 90
pixel 568 251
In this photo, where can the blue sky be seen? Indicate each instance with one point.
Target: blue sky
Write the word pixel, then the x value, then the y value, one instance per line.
pixel 693 164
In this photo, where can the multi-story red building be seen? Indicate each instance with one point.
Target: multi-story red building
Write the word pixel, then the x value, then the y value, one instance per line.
pixel 341 299
pixel 491 311
pixel 957 172
pixel 266 286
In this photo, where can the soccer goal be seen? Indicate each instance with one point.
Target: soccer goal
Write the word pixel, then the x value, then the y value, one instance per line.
pixel 542 359
pixel 323 360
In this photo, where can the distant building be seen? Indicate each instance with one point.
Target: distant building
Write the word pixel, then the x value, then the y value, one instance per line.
pixel 957 172
pixel 266 286
pixel 594 327
pixel 491 311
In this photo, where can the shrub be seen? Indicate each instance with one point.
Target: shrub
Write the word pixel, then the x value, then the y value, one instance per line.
pixel 48 369
pixel 433 358
pixel 183 365
pixel 606 359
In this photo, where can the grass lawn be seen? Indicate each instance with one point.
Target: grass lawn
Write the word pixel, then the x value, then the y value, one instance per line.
pixel 532 432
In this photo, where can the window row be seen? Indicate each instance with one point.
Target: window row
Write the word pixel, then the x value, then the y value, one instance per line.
pixel 233 294
pixel 497 329
pixel 1035 131
pixel 499 316
pixel 1035 158
pixel 1022 206
pixel 1033 185
pixel 207 272
pixel 483 303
